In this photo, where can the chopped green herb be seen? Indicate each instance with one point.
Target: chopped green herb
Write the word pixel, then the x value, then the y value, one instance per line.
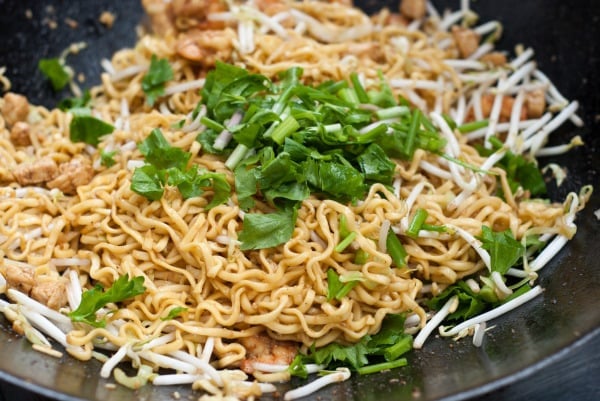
pixel 85 128
pixel 167 165
pixel 380 351
pixel 153 83
pixel 55 72
pixel 267 230
pixel 504 249
pixel 75 102
pixel 336 289
pixel 107 158
pixel 96 298
pixel 173 313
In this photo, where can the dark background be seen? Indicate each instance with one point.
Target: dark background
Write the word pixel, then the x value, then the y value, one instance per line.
pixel 564 35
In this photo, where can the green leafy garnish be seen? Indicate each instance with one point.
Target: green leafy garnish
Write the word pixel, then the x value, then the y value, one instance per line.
pixel 520 172
pixel 267 230
pixel 108 158
pixel 297 140
pixel 55 72
pixel 371 354
pixel 173 313
pixel 96 298
pixel 504 249
pixel 86 128
pixel 75 102
pixel 167 165
pixel 153 83
pixel 395 249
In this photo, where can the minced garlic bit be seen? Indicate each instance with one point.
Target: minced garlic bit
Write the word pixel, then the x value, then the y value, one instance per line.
pixel 107 19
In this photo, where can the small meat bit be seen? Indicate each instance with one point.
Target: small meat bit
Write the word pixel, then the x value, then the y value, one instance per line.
pixel 413 9
pixel 536 103
pixel 21 279
pixel 15 108
pixel 487 102
pixel 467 40
pixel 53 294
pixel 71 175
pixel 37 172
pixel 19 134
pixel 263 349
pixel 50 291
pixel 206 47
pixel 497 59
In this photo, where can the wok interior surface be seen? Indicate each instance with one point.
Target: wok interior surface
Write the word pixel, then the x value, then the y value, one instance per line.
pixel 563 34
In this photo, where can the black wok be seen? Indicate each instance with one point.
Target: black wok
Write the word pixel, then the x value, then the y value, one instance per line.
pixel 556 335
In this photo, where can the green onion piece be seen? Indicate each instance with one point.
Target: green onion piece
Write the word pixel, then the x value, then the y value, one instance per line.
pixel 345 290
pixel 345 242
pixel 409 144
pixel 395 249
pixel 378 367
pixel 343 226
pixel 212 124
pixel 431 227
pixel 472 126
pixel 417 222
pixel 392 112
pixel 361 256
pixel 236 156
pixel 360 91
pixel 288 126
pixel 348 95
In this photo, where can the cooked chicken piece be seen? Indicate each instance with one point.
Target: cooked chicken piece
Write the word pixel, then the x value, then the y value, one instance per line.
pixel 15 108
pixel 206 47
pixel 37 172
pixel 263 349
pixel 536 103
pixel 19 134
pixel 497 59
pixel 53 294
pixel 487 102
pixel 50 291
pixel 466 40
pixel 413 9
pixel 71 175
pixel 21 279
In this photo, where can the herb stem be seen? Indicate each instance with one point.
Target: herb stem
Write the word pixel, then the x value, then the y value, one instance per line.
pixel 378 367
pixel 472 126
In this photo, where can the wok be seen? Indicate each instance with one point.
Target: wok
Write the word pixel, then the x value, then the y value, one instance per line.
pixel 563 323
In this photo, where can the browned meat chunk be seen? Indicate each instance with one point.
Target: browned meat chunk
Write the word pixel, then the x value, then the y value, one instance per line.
pixel 21 279
pixel 497 59
pixel 15 108
pixel 206 47
pixel 467 40
pixel 413 9
pixel 53 294
pixel 487 102
pixel 71 175
pixel 263 349
pixel 19 134
pixel 38 172
pixel 536 103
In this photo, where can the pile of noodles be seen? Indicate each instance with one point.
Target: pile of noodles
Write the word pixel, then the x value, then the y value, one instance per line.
pixel 190 256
